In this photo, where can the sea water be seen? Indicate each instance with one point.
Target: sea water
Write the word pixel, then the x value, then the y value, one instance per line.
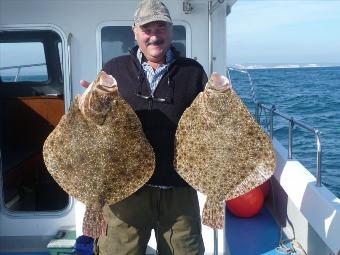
pixel 310 95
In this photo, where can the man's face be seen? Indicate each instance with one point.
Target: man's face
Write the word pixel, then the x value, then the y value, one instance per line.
pixel 154 39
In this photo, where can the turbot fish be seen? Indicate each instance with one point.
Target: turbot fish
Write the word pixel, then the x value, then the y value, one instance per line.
pixel 98 152
pixel 221 151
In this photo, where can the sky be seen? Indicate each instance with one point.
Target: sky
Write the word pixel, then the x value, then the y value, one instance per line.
pixel 271 32
pixel 284 32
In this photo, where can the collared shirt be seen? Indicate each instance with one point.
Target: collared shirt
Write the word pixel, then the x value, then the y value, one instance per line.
pixel 154 76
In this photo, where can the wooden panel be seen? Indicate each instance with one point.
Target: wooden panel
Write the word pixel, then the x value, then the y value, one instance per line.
pixel 49 108
pixel 29 120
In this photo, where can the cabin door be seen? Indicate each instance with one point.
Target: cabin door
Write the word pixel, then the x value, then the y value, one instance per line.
pixel 31 105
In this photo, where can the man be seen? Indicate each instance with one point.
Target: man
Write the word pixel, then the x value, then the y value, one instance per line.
pixel 159 85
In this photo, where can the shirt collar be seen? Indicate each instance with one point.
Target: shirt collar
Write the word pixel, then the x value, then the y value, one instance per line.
pixel 169 56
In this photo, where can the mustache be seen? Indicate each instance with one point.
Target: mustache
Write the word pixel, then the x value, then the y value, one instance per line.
pixel 156 42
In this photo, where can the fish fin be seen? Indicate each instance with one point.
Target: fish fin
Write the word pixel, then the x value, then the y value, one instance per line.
pixel 213 214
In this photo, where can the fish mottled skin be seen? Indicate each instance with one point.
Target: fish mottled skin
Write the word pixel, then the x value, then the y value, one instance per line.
pixel 221 151
pixel 99 154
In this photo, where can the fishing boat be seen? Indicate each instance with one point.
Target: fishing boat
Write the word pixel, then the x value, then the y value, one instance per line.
pixel 47 46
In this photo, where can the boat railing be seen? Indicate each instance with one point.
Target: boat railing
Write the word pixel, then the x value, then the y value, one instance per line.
pixel 19 67
pixel 272 111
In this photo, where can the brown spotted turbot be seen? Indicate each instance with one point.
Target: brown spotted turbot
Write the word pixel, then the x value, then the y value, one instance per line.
pixel 98 153
pixel 221 151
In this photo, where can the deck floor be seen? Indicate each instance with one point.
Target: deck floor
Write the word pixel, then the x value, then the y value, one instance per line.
pixel 259 235
pixel 253 236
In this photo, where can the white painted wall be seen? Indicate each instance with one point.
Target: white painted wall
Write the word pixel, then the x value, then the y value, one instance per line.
pixel 312 212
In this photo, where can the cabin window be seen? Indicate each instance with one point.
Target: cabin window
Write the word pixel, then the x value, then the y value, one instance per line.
pixel 31 105
pixel 117 40
pixel 23 61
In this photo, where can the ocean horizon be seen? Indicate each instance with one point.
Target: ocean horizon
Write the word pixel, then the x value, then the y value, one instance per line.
pixel 281 65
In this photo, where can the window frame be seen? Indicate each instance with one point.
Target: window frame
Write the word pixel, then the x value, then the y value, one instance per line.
pixel 65 66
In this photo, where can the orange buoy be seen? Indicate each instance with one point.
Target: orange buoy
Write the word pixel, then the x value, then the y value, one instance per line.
pixel 248 204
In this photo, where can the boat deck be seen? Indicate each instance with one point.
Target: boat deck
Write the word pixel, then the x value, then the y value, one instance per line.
pixel 253 236
pixel 259 235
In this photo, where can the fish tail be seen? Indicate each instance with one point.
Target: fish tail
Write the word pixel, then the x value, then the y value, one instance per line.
pixel 94 224
pixel 213 214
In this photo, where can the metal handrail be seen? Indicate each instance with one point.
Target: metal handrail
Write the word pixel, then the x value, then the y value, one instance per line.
pixel 19 69
pixel 252 87
pixel 292 122
pixel 20 66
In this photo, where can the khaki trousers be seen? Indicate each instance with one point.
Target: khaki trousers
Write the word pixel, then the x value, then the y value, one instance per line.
pixel 173 213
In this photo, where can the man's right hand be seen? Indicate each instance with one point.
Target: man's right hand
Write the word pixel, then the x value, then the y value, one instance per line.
pixel 105 87
pixel 220 82
pixel 84 83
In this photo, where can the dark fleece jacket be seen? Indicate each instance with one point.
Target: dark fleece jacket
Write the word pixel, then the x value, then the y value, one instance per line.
pixel 179 86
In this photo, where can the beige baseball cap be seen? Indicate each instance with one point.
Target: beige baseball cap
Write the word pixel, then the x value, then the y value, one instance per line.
pixel 149 11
